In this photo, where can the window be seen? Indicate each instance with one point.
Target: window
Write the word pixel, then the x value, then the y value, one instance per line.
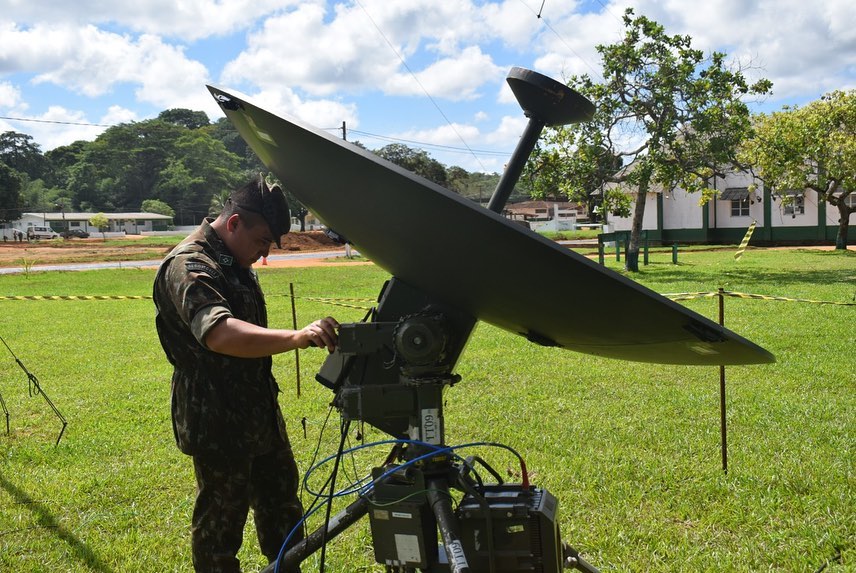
pixel 850 200
pixel 796 206
pixel 739 197
pixel 740 207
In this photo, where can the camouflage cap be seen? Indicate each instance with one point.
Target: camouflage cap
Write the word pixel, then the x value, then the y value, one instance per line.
pixel 267 200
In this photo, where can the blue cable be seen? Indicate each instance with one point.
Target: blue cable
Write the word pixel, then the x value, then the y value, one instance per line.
pixel 363 490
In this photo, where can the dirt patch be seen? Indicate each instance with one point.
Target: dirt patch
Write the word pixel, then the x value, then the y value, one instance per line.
pixel 130 248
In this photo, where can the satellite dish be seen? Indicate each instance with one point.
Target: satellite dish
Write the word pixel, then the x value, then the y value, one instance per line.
pixel 471 258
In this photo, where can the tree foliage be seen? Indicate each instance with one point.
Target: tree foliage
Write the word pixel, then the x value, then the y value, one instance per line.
pixel 415 160
pixel 157 206
pixel 179 164
pixel 672 117
pixel 100 222
pixel 21 153
pixel 814 148
pixel 10 194
pixel 185 118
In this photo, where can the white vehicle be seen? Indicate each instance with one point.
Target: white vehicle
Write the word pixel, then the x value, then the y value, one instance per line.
pixel 41 233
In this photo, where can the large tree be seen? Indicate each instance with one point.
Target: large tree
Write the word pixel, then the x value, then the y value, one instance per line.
pixel 10 194
pixel 415 160
pixel 814 148
pixel 200 167
pixel 185 117
pixel 123 165
pixel 672 116
pixel 21 153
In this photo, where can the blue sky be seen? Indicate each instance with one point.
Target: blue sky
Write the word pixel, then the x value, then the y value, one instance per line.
pixel 426 71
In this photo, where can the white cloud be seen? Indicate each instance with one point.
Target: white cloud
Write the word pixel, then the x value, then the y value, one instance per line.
pixel 298 49
pixel 188 19
pixel 359 48
pixel 310 58
pixel 10 96
pixel 508 132
pixel 91 62
pixel 454 79
pixel 118 114
pixel 319 113
pixel 449 134
pixel 59 126
pixel 801 48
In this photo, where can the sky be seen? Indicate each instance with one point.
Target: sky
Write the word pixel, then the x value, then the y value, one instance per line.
pixel 426 73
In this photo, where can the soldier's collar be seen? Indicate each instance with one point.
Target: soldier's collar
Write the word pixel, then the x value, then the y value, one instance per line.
pixel 224 257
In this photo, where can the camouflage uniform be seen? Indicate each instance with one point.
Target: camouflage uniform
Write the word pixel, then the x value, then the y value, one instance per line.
pixel 224 409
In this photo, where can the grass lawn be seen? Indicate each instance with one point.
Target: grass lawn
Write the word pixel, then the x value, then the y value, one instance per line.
pixel 632 451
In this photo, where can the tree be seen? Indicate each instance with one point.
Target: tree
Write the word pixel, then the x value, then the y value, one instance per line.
pixel 123 165
pixel 10 194
pixel 157 206
pixel 18 151
pixel 185 118
pixel 60 161
pixel 415 160
pixel 100 222
pixel 671 115
pixel 200 167
pixel 810 148
pixel 218 202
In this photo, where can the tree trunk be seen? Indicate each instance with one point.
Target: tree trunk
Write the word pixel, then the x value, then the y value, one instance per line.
pixel 843 225
pixel 631 262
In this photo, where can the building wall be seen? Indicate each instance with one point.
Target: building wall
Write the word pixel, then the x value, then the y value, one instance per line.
pixel 681 210
pixel 649 219
pixel 719 212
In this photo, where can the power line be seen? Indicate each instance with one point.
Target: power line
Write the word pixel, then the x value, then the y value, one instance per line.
pixel 438 146
pixel 541 17
pixel 56 122
pixel 416 79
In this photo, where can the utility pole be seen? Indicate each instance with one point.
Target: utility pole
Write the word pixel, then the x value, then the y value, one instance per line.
pixel 344 131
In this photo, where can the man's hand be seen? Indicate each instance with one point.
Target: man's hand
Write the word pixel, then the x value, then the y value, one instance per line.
pixel 235 337
pixel 321 333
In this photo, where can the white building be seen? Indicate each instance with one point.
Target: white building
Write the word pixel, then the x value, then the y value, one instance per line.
pixel 677 216
pixel 117 223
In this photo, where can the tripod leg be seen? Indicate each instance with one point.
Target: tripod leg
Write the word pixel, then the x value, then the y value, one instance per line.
pixel 5 411
pixel 312 543
pixel 438 497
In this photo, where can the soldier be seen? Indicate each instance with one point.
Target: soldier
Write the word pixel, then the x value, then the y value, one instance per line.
pixel 212 324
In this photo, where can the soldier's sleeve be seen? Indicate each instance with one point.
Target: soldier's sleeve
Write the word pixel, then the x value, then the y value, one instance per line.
pixel 197 288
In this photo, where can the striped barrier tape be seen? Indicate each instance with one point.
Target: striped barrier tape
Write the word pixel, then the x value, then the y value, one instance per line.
pixel 745 241
pixel 336 301
pixel 695 295
pixel 332 301
pixel 76 297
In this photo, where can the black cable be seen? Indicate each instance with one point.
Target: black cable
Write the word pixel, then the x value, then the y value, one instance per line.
pixel 344 428
pixel 35 388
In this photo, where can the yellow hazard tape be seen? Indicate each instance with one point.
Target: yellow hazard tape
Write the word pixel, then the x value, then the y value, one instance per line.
pixel 745 241
pixel 333 301
pixel 689 295
pixel 76 297
pixel 694 295
pixel 336 301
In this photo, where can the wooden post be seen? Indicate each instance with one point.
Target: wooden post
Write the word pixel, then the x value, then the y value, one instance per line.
pixel 722 422
pixel 294 323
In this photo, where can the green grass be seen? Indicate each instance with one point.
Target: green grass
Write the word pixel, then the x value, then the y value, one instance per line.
pixel 631 450
pixel 569 235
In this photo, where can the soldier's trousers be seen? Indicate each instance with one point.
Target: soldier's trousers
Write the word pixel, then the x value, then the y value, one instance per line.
pixel 226 489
